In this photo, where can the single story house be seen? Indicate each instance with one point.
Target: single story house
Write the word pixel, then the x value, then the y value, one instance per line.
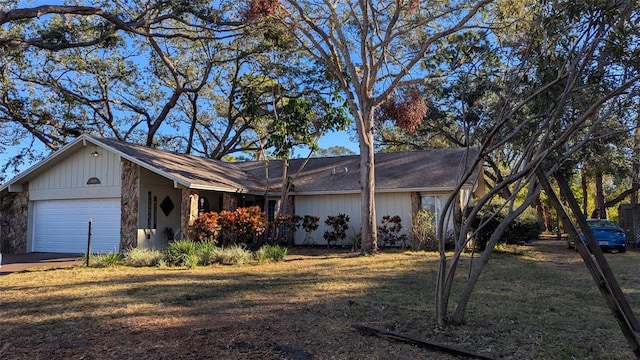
pixel 135 196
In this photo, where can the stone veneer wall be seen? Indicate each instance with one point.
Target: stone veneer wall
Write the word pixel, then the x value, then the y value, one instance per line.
pixel 188 210
pixel 129 202
pixel 14 217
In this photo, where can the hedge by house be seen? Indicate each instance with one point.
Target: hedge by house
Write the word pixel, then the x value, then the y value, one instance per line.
pixel 523 229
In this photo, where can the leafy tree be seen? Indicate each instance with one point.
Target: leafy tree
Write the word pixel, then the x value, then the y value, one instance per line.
pixel 298 123
pixel 374 51
pixel 190 77
pixel 334 151
pixel 607 156
pixel 114 69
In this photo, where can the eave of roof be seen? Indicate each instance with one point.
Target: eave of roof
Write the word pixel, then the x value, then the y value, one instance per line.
pixel 184 170
pixel 190 171
pixel 418 171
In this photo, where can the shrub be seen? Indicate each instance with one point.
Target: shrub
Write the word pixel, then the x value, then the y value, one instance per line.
pixel 271 252
pixel 102 259
pixel 206 252
pixel 339 224
pixel 234 255
pixel 280 228
pixel 310 223
pixel 389 232
pixel 525 228
pixel 423 231
pixel 181 253
pixel 206 227
pixel 142 257
pixel 241 225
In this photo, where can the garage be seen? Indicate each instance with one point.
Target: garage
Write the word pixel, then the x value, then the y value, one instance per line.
pixel 62 225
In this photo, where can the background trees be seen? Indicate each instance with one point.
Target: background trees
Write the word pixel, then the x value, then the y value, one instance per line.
pixel 190 77
pixel 558 95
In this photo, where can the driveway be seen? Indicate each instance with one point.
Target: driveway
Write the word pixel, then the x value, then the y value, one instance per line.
pixel 14 263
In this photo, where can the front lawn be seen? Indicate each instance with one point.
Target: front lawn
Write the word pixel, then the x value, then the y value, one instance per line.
pixel 535 302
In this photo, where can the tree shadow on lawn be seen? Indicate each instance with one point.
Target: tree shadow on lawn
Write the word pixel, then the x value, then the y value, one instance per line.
pixel 298 310
pixel 207 314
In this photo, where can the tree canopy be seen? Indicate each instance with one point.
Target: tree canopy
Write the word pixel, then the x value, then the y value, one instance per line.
pixel 192 77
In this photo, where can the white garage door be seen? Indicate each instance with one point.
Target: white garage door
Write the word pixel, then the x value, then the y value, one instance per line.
pixel 62 226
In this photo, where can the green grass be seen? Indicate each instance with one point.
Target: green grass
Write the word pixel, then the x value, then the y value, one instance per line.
pixel 530 303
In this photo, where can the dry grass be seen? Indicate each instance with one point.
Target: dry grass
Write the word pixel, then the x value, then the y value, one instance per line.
pixel 532 303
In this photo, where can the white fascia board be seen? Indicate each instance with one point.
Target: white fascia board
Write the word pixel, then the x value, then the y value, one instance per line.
pixel 217 188
pixel 229 190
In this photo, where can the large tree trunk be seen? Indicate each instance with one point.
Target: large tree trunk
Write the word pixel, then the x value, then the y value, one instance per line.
pixel 367 184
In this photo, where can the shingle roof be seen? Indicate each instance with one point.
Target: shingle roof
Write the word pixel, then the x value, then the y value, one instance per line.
pixel 192 171
pixel 427 169
pixel 409 171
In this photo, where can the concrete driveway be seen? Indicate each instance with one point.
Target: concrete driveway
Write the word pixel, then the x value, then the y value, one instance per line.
pixel 14 263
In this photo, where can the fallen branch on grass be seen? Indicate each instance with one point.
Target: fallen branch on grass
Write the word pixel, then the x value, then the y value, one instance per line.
pixel 417 342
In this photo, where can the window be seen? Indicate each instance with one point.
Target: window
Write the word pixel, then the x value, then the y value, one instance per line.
pixel 431 203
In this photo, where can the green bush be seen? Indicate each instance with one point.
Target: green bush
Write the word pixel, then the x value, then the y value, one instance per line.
pixel 206 252
pixel 142 257
pixel 181 253
pixel 271 253
pixel 525 228
pixel 102 259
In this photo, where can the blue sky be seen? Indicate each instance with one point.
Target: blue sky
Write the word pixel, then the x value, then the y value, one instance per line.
pixel 342 138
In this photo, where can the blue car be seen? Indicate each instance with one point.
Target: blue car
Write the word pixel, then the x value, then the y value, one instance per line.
pixel 607 234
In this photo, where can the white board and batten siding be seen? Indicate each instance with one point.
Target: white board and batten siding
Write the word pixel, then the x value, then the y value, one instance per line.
pixel 324 205
pixel 62 203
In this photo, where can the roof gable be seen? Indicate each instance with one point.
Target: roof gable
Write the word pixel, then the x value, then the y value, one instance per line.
pixel 191 171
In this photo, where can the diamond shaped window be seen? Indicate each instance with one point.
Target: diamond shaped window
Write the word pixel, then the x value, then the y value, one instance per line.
pixel 167 206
